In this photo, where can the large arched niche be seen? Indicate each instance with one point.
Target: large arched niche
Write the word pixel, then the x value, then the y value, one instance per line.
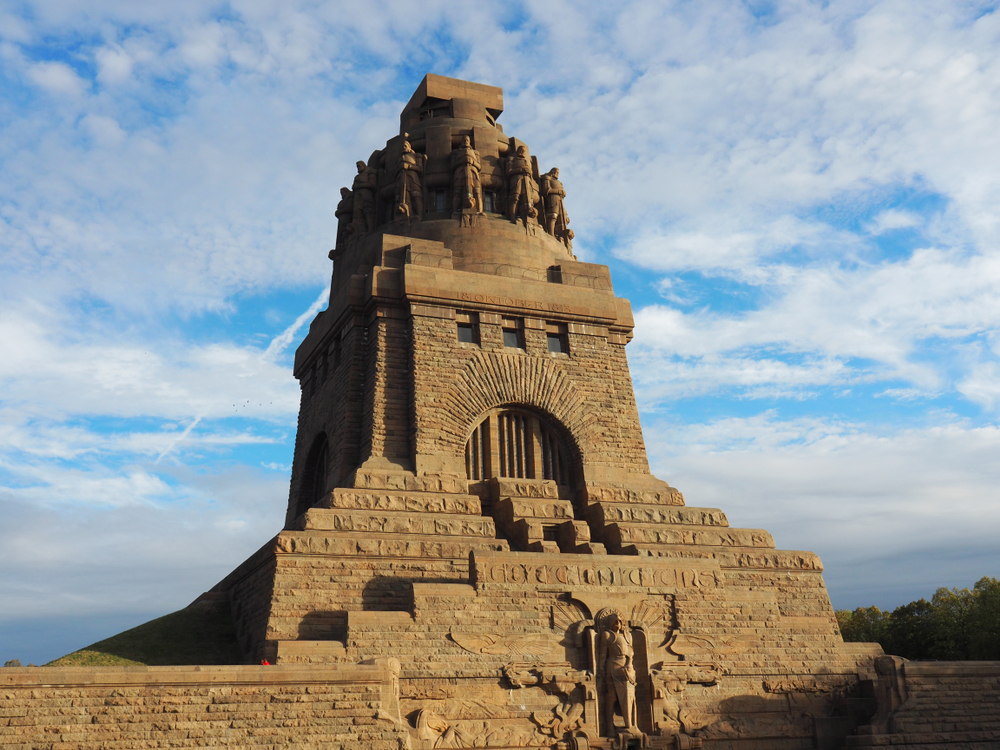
pixel 312 488
pixel 516 441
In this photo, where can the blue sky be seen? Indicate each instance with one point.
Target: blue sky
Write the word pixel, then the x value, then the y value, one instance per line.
pixel 800 199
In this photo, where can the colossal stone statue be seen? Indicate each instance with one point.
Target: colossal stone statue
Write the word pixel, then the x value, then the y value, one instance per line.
pixel 553 193
pixel 467 189
pixel 344 212
pixel 365 184
pixel 522 191
pixel 409 182
pixel 616 671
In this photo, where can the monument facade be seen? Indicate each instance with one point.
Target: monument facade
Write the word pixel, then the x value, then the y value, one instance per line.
pixel 474 553
pixel 471 496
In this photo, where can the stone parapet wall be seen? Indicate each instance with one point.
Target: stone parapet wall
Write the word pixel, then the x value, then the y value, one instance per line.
pixel 934 705
pixel 126 708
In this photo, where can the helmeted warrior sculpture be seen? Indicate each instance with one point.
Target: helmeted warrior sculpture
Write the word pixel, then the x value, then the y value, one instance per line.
pixel 364 187
pixel 409 182
pixel 522 190
pixel 553 193
pixel 344 213
pixel 467 188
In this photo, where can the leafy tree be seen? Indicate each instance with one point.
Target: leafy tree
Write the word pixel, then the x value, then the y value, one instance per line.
pixel 865 624
pixel 953 614
pixel 985 630
pixel 955 625
pixel 912 631
pixel 12 663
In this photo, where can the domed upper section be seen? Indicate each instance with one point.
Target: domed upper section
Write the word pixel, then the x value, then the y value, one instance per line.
pixel 453 176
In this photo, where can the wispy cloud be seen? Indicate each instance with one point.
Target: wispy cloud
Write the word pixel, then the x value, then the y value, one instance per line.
pixel 280 342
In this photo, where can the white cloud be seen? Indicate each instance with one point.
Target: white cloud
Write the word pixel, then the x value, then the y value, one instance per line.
pixel 57 78
pixel 105 131
pixel 882 314
pixel 56 375
pixel 114 65
pixel 982 385
pixel 81 559
pixel 893 219
pixel 894 513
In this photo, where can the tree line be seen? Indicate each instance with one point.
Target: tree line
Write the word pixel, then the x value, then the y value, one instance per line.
pixel 955 625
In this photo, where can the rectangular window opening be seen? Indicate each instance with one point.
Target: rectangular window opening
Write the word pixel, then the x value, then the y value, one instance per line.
pixel 513 333
pixel 466 333
pixel 549 532
pixel 468 327
pixel 557 338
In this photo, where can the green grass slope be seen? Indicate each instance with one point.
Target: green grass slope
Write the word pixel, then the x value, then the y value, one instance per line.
pixel 201 633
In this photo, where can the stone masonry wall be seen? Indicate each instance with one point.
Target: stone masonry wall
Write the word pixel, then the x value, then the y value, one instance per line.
pixel 455 383
pixel 934 706
pixel 335 411
pixel 48 708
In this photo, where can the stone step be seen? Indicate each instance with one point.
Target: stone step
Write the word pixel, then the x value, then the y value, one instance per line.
pixel 608 513
pixel 374 544
pixel 292 652
pixel 407 482
pixel 539 489
pixel 536 535
pixel 510 509
pixel 618 535
pixel 412 502
pixel 660 494
pixel 738 557
pixel 396 522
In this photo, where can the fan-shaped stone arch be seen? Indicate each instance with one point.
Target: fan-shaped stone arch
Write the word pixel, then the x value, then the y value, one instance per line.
pixel 490 380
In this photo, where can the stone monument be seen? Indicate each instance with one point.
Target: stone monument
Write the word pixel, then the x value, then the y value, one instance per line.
pixel 475 554
pixel 471 497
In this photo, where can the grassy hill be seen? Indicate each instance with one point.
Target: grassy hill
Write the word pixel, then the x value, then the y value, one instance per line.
pixel 201 633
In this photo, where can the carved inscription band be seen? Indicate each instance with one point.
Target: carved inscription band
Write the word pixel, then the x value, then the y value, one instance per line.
pixel 534 570
pixel 491 299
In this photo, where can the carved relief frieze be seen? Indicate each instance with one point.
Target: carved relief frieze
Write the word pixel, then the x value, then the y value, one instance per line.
pixel 558 678
pixel 669 681
pixel 437 731
pixel 571 685
pixel 505 644
pixel 564 718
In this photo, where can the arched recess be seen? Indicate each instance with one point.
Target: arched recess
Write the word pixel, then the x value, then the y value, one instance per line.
pixel 518 442
pixel 491 380
pixel 313 486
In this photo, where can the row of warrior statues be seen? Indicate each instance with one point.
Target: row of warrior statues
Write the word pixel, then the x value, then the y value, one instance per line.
pixel 527 200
